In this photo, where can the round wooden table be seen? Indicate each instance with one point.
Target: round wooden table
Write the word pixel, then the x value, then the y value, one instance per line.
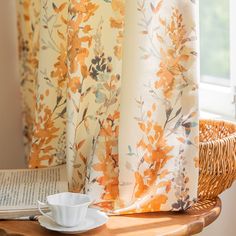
pixel 159 224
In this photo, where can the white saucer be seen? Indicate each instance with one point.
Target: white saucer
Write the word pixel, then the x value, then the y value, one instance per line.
pixel 94 219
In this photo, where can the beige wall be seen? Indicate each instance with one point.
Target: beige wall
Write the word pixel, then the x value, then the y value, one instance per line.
pixel 225 225
pixel 11 148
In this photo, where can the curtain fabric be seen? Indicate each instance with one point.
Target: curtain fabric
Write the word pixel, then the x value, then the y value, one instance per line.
pixel 109 87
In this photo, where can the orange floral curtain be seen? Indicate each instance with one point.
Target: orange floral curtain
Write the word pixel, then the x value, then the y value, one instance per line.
pixel 109 87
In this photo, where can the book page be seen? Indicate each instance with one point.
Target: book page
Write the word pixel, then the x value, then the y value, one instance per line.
pixel 20 189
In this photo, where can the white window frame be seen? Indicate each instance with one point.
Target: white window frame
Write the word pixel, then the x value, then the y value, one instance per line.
pixel 220 98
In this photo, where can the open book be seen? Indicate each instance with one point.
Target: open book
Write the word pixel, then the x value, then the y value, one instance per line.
pixel 20 189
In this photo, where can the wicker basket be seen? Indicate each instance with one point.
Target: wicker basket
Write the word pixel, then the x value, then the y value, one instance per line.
pixel 217 157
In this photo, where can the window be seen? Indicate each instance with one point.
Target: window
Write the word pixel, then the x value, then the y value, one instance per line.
pixel 217 42
pixel 214 41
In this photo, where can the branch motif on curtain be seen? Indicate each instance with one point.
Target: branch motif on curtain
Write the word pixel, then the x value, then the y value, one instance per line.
pixel 110 88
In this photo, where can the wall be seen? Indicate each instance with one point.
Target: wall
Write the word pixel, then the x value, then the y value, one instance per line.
pixel 225 225
pixel 11 148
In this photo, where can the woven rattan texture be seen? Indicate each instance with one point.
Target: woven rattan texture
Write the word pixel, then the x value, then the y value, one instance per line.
pixel 217 157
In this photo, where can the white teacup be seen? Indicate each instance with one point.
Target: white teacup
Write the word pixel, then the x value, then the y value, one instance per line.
pixel 67 209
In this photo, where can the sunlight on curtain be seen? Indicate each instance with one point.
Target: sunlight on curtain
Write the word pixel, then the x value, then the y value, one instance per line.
pixel 110 88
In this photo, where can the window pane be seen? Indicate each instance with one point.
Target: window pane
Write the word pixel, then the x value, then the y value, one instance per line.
pixel 214 38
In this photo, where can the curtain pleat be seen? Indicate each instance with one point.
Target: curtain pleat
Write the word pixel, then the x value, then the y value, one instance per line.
pixel 109 87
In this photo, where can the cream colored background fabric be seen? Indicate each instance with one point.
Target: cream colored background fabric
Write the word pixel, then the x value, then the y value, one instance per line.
pixel 110 87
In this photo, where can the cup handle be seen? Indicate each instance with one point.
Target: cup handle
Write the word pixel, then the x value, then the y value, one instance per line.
pixel 41 211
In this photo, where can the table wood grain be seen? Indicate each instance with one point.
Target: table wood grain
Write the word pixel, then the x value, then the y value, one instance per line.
pixel 149 224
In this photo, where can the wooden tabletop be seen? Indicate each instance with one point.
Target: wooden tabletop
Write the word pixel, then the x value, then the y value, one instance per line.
pixel 159 224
